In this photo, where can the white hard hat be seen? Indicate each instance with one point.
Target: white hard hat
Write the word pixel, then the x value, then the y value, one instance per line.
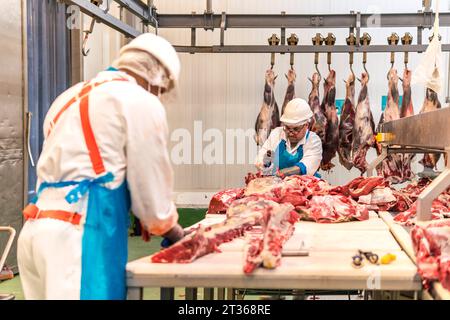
pixel 160 48
pixel 297 112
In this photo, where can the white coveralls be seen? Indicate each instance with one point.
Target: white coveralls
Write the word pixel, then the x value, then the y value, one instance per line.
pixel 130 130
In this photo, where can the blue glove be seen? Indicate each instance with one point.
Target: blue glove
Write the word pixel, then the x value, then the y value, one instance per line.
pixel 172 236
pixel 165 243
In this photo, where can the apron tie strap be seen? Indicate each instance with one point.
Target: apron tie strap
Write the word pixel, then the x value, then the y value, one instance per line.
pixel 83 187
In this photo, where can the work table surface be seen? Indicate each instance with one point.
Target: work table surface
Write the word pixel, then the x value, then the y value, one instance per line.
pixel 328 265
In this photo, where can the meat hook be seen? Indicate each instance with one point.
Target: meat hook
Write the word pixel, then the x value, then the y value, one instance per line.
pixel 317 70
pixel 367 72
pixel 86 36
pixel 365 40
pixel 273 41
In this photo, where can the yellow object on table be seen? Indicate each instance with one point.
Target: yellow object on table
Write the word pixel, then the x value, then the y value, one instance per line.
pixel 388 258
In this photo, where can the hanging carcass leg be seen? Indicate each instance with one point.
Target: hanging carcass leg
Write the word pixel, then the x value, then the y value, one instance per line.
pixel 391 167
pixel 407 110
pixel 332 129
pixel 430 103
pixel 290 91
pixel 346 124
pixel 319 121
pixel 364 129
pixel 269 115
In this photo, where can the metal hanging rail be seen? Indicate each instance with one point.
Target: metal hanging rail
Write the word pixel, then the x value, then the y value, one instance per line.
pixel 304 48
pixel 299 21
pixel 208 21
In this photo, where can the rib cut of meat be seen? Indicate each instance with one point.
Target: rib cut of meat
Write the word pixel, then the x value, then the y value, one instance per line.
pixel 333 209
pixel 269 115
pixel 346 124
pixel 364 129
pixel 330 145
pixel 430 103
pixel 391 167
pixel 221 200
pixel 432 247
pixel 206 240
pixel 290 91
pixel 318 123
pixel 264 248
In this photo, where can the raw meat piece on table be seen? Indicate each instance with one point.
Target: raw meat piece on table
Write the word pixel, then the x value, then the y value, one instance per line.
pixel 333 209
pixel 264 248
pixel 206 240
pixel 262 185
pixel 432 246
pixel 221 200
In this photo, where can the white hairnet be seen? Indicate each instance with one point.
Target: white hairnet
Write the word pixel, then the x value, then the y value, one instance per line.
pixel 145 66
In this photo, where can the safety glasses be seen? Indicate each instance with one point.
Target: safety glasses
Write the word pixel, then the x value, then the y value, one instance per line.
pixel 296 129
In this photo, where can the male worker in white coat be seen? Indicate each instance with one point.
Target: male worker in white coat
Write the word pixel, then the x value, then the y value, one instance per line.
pixel 105 151
pixel 291 148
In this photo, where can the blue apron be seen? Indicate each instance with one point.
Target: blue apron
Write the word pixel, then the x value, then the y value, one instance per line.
pixel 283 159
pixel 105 233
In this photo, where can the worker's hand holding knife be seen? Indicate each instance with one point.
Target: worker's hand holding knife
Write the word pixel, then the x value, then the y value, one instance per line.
pixel 174 235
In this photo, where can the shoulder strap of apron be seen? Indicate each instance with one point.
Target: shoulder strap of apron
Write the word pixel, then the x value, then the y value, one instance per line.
pixel 91 143
pixel 85 90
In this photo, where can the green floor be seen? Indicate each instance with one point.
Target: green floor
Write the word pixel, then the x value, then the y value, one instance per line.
pixel 136 249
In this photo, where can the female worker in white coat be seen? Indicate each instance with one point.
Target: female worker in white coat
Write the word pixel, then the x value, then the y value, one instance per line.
pixel 105 151
pixel 291 148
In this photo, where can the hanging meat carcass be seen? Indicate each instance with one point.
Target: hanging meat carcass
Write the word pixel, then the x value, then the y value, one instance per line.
pixel 318 123
pixel 346 124
pixel 406 111
pixel 330 145
pixel 290 91
pixel 364 129
pixel 269 115
pixel 391 167
pixel 430 103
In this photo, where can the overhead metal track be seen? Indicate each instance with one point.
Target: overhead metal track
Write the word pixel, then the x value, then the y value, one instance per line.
pixel 136 7
pixel 303 49
pixel 95 12
pixel 255 21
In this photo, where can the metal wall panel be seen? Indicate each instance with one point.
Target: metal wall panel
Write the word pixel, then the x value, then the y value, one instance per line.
pixel 48 43
pixel 11 120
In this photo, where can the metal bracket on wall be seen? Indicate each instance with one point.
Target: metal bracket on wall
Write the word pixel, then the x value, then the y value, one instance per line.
pixel 193 36
pixel 358 28
pixel 208 17
pixel 316 21
pixel 283 31
pixel 223 27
